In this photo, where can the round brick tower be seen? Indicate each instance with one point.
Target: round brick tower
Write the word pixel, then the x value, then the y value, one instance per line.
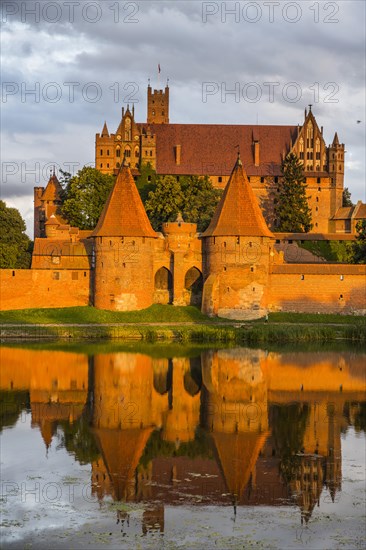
pixel 124 248
pixel 238 248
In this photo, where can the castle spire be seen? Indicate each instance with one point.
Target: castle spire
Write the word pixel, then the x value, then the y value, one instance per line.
pixel 335 139
pixel 105 132
pixel 124 214
pixel 238 212
pixel 53 189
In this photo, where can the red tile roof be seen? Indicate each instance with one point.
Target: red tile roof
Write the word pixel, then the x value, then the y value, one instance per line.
pixel 211 148
pixel 124 214
pixel 238 212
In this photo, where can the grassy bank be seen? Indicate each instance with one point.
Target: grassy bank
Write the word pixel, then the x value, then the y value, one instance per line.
pixel 157 314
pixel 179 324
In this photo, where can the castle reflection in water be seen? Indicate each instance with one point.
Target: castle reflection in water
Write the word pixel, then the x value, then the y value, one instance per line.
pixel 235 426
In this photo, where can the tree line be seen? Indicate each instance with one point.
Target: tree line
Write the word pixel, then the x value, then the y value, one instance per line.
pixel 164 197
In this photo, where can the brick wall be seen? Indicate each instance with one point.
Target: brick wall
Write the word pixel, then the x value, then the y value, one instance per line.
pixel 44 288
pixel 330 288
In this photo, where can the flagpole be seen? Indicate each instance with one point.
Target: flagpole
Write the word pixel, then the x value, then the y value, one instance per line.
pixel 159 76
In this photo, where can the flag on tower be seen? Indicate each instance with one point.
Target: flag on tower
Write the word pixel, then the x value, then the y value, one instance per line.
pixel 159 71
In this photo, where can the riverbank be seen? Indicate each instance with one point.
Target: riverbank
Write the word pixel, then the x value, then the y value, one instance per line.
pixel 181 324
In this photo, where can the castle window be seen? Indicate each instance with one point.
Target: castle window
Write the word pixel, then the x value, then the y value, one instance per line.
pixel 108 152
pixel 148 178
pixel 118 152
pixel 341 296
pixel 237 240
pixel 317 199
pixel 101 152
pixel 128 152
pixel 146 153
pixel 252 269
pixel 342 277
pixel 319 188
pixel 224 267
pixel 107 164
pixel 150 153
pixel 316 209
pixel 74 276
pixel 301 155
pixel 302 277
pixel 224 244
pixel 276 179
pixel 101 165
pixel 316 224
pixel 262 180
pixel 219 179
pixel 317 180
pixel 13 274
pixel 84 273
pixel 137 152
pixel 56 275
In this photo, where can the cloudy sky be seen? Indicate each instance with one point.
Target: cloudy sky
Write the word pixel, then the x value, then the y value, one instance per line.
pixel 69 65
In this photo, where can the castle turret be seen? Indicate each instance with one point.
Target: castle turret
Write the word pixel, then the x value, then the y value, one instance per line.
pixel 124 249
pixel 47 201
pixel 238 247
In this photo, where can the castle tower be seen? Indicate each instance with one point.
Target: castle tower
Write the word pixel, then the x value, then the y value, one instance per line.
pixel 238 248
pixel 336 171
pixel 124 247
pixel 157 106
pixel 47 202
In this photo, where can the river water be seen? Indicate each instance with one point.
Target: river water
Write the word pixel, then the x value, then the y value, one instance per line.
pixel 182 447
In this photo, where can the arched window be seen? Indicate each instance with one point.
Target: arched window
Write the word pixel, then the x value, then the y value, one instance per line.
pixel 128 129
pixel 128 152
pixel 310 136
pixel 301 148
pixel 118 152
pixel 317 149
pixel 137 152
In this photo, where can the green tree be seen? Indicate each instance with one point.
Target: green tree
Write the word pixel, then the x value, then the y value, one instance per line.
pixel 346 197
pixel 15 245
pixel 85 197
pixel 359 246
pixel 164 203
pixel 200 200
pixel 146 181
pixel 292 209
pixel 193 196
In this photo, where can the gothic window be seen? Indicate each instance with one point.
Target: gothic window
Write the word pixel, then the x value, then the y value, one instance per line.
pixel 317 148
pixel 128 129
pixel 128 152
pixel 137 152
pixel 310 136
pixel 118 152
pixel 301 148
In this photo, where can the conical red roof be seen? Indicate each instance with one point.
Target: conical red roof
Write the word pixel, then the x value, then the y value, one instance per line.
pixel 53 190
pixel 124 214
pixel 238 212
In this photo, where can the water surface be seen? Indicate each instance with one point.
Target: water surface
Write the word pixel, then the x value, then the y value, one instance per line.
pixel 229 448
